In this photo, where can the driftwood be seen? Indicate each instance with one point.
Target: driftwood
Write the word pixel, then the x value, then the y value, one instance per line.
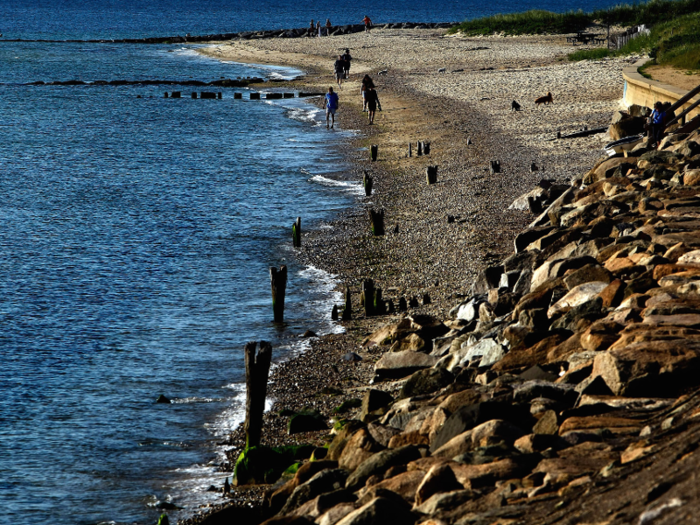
pixel 583 133
pixel 256 371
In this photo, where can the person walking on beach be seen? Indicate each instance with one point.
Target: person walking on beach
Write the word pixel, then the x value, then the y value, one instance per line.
pixel 339 68
pixel 312 28
pixel 318 27
pixel 328 27
pixel 347 59
pixel 372 103
pixel 331 106
pixel 368 23
pixel 367 82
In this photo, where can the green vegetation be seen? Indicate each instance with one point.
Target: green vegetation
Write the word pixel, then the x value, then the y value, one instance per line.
pixel 673 43
pixel 543 22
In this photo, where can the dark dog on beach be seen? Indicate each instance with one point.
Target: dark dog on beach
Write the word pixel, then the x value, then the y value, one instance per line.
pixel 544 100
pixel 515 106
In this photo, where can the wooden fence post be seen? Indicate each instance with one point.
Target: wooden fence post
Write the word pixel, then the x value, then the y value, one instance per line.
pixel 419 149
pixel 426 148
pixel 256 370
pixel 368 297
pixel 347 311
pixel 278 281
pixel 367 182
pixel 296 233
pixel 495 166
pixel 376 219
pixel 410 152
pixel 431 174
pixel 373 152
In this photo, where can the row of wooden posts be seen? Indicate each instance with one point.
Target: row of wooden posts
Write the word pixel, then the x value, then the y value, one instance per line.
pixel 236 96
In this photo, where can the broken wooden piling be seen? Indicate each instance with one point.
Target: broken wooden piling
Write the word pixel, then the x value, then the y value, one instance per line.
pixel 431 174
pixel 347 311
pixel 367 182
pixel 376 220
pixel 278 282
pixel 373 152
pixel 257 368
pixel 296 233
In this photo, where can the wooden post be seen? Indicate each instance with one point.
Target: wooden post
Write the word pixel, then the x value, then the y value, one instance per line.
pixel 166 95
pixel 255 96
pixel 296 233
pixel 426 298
pixel 278 281
pixel 410 152
pixel 378 302
pixel 347 311
pixel 256 370
pixel 368 297
pixel 367 182
pixel 426 148
pixel 469 141
pixel 176 94
pixel 373 152
pixel 334 313
pixel 376 219
pixel 533 167
pixel 194 94
pixel 390 307
pixel 419 149
pixel 495 166
pixel 237 96
pixel 431 174
pixel 402 305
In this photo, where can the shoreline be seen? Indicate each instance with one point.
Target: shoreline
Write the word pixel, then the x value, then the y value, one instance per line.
pixel 418 112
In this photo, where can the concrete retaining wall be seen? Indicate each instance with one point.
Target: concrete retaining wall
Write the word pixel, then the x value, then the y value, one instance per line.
pixel 645 92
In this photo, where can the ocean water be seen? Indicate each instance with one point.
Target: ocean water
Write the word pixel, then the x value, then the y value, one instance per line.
pixel 136 237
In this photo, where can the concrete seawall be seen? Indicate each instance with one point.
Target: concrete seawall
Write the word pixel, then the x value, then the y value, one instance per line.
pixel 645 92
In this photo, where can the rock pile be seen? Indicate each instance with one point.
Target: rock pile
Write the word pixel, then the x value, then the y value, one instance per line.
pixel 568 363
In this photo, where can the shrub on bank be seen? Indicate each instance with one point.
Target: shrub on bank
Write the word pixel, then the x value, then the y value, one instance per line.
pixel 547 22
pixel 674 43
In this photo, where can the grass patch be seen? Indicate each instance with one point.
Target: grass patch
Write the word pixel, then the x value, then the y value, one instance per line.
pixel 546 22
pixel 589 54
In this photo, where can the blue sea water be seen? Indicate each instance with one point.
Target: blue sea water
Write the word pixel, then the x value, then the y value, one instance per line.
pixel 136 237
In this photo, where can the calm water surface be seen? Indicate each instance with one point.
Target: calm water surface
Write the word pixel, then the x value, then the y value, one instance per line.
pixel 136 237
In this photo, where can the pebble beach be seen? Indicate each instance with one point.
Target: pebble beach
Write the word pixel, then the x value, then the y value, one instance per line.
pixel 455 93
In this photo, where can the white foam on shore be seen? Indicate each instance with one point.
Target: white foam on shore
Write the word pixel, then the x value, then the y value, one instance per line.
pixel 350 186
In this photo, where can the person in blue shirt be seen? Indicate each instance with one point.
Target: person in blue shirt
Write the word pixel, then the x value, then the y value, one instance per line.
pixel 331 106
pixel 658 123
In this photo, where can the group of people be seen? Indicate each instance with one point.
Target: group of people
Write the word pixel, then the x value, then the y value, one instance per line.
pixel 370 101
pixel 342 67
pixel 318 28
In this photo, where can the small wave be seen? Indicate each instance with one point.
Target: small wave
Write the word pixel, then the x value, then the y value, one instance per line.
pixel 156 443
pixel 187 400
pixel 352 187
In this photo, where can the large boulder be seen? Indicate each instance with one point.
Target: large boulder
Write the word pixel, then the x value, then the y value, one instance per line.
pixel 379 510
pixel 380 462
pixel 626 128
pixel 426 381
pixel 393 365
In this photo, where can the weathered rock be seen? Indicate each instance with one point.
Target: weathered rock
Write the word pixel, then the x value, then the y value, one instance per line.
pixel 382 434
pixel 527 357
pixel 374 404
pixel 359 447
pixel 575 462
pixel 324 481
pixel 439 479
pixel 426 382
pixel 401 364
pixel 662 367
pixel 306 421
pixel 577 296
pixel 548 424
pixel 379 510
pixel 467 417
pixel 380 462
pixel 412 342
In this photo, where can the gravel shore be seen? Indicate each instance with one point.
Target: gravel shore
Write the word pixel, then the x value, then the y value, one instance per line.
pixel 422 252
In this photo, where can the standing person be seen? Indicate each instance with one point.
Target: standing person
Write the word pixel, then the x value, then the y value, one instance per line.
pixel 331 106
pixel 347 59
pixel 339 68
pixel 367 82
pixel 328 27
pixel 368 23
pixel 658 123
pixel 312 28
pixel 372 103
pixel 318 27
